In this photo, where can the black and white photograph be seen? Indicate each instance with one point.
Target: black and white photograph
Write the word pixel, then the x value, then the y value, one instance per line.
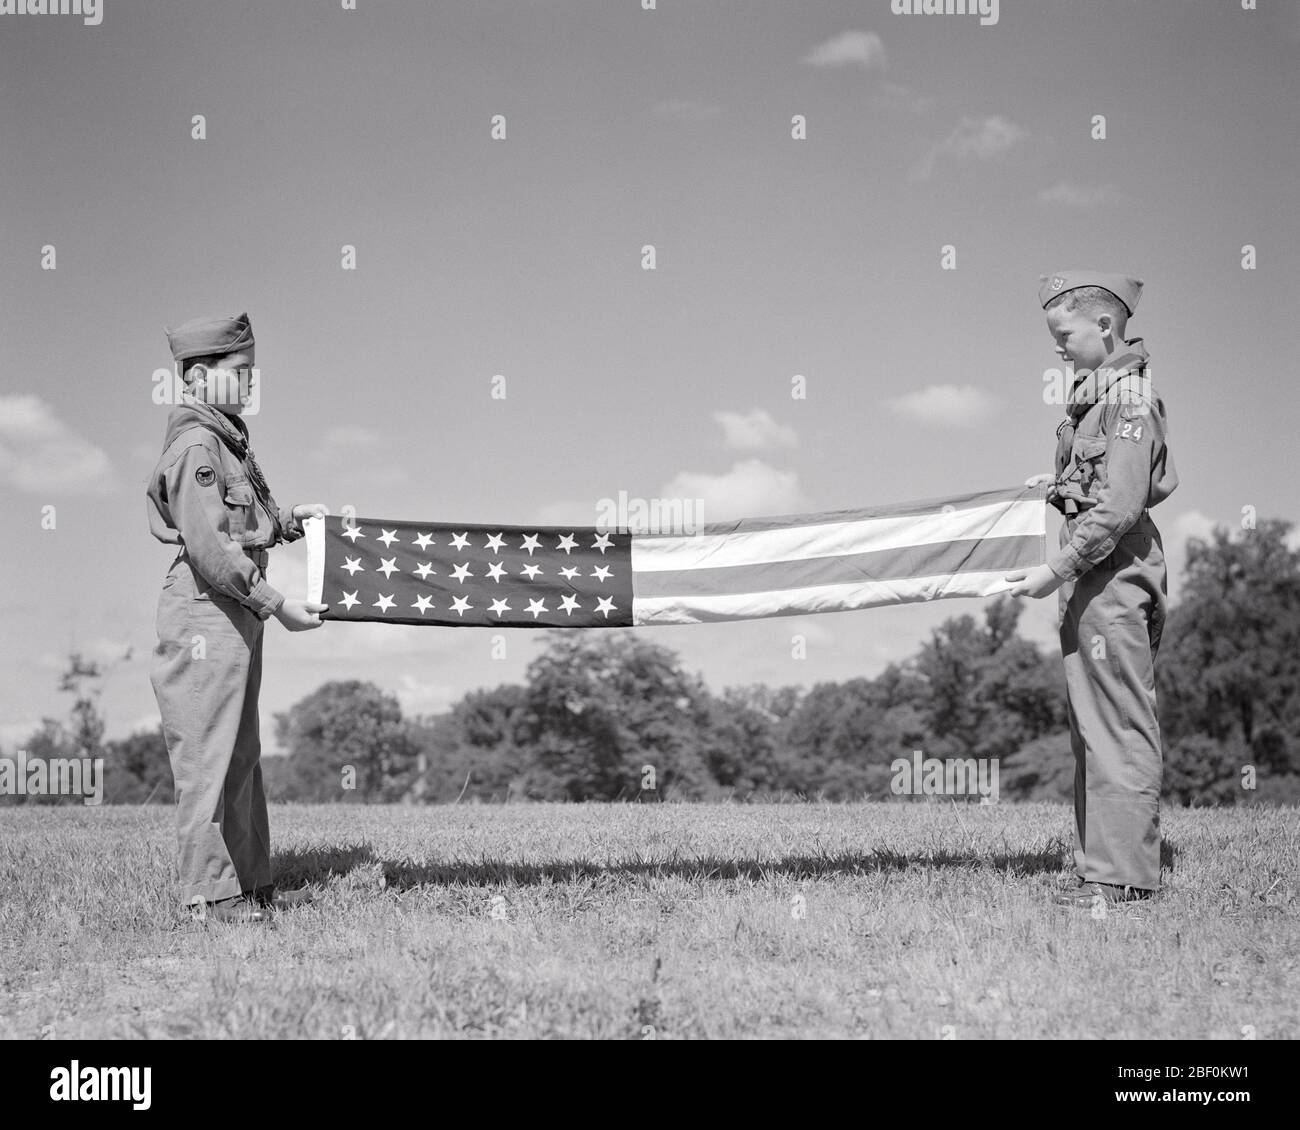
pixel 649 520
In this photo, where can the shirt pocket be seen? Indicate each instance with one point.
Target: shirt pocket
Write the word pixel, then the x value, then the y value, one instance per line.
pixel 1089 460
pixel 238 499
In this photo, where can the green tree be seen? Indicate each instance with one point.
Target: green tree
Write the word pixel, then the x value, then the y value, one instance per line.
pixel 346 741
pixel 604 706
pixel 1228 674
pixel 989 692
pixel 480 748
pixel 137 769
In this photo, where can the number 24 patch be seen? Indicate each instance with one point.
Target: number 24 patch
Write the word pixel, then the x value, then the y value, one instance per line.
pixel 1128 430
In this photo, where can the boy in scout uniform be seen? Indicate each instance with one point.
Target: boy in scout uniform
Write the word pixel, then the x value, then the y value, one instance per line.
pixel 208 496
pixel 1112 466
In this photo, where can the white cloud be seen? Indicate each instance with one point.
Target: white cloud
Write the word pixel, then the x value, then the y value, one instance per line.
pixel 974 139
pixel 416 697
pixel 850 48
pixel 948 406
pixel 1174 535
pixel 14 735
pixel 751 489
pixel 896 96
pixel 1081 195
pixel 148 722
pixel 753 430
pixel 40 454
pixel 686 110
pixel 101 650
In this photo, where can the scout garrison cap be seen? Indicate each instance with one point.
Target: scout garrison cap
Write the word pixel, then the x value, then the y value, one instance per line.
pixel 203 337
pixel 1124 287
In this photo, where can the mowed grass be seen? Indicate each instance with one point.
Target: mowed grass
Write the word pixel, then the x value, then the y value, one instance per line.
pixel 651 921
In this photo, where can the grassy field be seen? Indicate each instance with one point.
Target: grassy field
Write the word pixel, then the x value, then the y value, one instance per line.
pixel 652 921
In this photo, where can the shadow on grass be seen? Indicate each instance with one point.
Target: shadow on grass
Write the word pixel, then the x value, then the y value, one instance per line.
pixel 293 867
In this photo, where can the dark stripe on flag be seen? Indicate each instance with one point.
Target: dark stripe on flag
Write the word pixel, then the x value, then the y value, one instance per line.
pixel 894 510
pixel 913 561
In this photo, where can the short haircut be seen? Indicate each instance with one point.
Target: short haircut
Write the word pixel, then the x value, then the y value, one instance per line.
pixel 1093 300
pixel 208 361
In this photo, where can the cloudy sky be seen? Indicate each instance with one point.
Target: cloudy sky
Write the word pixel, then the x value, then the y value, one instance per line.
pixel 522 258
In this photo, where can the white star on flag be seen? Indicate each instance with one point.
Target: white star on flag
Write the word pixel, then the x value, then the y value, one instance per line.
pixel 349 599
pixel 384 603
pixel 567 543
pixel 424 541
pixel 354 566
pixel 423 603
pixel 425 571
pixel 388 537
pixel 388 566
pixel 495 542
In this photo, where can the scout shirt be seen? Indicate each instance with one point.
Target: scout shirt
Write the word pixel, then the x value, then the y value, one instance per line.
pixel 208 494
pixel 1111 458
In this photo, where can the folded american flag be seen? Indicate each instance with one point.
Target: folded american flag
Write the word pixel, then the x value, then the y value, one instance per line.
pixel 373 569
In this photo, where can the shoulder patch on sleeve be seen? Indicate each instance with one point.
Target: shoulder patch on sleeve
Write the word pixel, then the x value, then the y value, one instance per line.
pixel 205 476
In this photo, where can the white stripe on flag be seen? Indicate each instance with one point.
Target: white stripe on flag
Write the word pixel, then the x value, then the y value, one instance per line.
pixel 655 553
pixel 698 609
pixel 314 534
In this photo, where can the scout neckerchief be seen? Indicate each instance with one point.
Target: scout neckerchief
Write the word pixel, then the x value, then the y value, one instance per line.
pixel 234 432
pixel 1093 389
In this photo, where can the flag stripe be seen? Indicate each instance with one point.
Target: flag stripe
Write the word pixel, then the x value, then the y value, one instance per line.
pixel 824 598
pixel 926 560
pixel 795 542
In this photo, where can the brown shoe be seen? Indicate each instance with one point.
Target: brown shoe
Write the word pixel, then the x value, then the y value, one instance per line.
pixel 1086 895
pixel 237 909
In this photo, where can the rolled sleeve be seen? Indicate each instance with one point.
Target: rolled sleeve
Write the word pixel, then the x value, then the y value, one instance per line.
pixel 196 491
pixel 1131 441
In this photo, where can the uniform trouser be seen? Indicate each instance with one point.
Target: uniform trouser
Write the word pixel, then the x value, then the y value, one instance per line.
pixel 1111 620
pixel 206 674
